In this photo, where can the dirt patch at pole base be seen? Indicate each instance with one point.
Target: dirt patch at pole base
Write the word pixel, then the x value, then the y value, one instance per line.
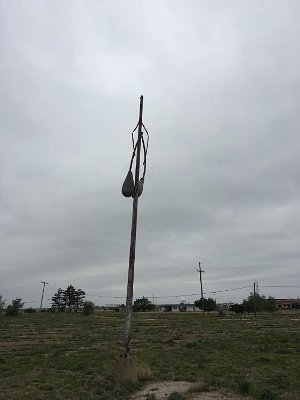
pixel 162 391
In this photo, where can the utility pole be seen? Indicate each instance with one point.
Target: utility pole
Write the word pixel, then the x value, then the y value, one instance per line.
pixel 254 298
pixel 201 288
pixel 214 293
pixel 129 298
pixel 44 283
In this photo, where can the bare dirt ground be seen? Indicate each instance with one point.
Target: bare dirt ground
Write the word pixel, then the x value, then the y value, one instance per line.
pixel 162 390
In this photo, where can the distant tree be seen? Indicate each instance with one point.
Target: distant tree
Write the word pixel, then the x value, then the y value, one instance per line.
pixel 2 303
pixel 88 308
pixel 237 308
pixel 270 304
pixel 260 303
pixel 69 300
pixel 209 304
pixel 79 299
pixel 13 309
pixel 142 305
pixel 198 303
pixel 58 301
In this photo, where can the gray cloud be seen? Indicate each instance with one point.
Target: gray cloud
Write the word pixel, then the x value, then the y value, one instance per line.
pixel 221 88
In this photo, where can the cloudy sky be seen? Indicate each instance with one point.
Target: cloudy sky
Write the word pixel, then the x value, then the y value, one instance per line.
pixel 221 93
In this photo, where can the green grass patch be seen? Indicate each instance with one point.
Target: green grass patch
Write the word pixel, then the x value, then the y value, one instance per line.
pixel 69 356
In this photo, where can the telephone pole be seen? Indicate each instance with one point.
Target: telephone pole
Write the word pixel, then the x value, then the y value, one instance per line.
pixel 44 283
pixel 254 298
pixel 201 288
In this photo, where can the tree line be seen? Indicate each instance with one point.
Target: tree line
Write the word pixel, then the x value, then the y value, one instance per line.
pixel 250 304
pixel 73 300
pixel 67 300
pixel 13 308
pixel 255 303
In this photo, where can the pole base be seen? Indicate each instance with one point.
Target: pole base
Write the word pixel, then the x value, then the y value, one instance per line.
pixel 126 369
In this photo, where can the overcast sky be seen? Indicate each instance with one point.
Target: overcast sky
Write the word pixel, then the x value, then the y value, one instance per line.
pixel 221 86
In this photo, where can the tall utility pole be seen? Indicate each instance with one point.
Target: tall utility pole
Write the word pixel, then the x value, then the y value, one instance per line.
pixel 44 283
pixel 254 298
pixel 201 288
pixel 129 298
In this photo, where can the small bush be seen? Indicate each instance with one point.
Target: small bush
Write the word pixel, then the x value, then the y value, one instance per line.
pixel 143 373
pixel 13 309
pixel 88 307
pixel 244 386
pixel 10 311
pixel 30 310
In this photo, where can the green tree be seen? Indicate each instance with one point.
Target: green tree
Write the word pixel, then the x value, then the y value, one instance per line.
pixel 209 304
pixel 70 299
pixel 88 308
pixel 13 309
pixel 142 305
pixel 58 301
pixel 260 303
pixel 79 299
pixel 270 304
pixel 2 303
pixel 237 308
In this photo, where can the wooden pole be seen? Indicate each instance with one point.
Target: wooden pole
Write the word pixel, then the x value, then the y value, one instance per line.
pixel 129 298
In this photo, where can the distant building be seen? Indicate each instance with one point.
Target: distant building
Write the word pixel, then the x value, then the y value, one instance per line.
pixel 224 306
pixel 183 307
pixel 287 304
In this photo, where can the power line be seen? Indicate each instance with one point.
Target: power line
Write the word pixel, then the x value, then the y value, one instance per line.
pixel 183 295
pixel 280 286
pixel 31 301
pixel 176 295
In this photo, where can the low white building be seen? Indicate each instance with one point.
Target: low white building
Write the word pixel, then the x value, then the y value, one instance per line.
pixel 182 307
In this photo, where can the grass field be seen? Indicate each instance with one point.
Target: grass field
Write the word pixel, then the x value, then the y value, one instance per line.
pixel 70 356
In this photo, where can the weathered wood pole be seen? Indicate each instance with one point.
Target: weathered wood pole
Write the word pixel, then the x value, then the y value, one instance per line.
pixel 129 298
